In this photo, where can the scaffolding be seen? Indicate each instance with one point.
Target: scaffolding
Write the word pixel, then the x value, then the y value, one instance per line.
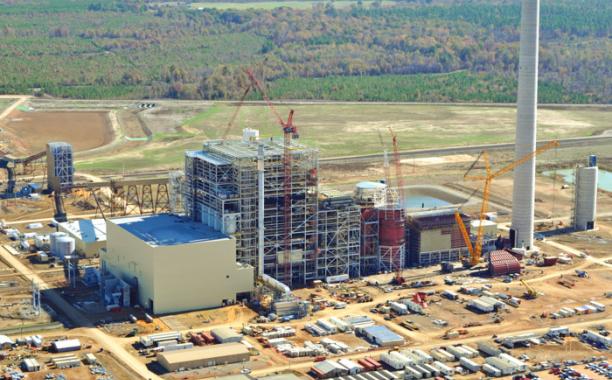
pixel 221 191
pixel 339 226
pixel 60 170
pixel 369 256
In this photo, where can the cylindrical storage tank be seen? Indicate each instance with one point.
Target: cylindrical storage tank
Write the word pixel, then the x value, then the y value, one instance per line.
pixel 370 193
pixel 392 227
pixel 53 240
pixel 586 198
pixel 65 246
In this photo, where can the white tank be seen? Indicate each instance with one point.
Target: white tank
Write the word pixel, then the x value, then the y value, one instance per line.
pixel 53 236
pixel 250 135
pixel 370 193
pixel 65 246
pixel 42 242
pixel 585 207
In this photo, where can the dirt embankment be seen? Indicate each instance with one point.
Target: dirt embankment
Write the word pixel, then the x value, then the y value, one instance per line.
pixel 29 132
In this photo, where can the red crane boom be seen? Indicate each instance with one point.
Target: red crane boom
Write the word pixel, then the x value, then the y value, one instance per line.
pixel 289 132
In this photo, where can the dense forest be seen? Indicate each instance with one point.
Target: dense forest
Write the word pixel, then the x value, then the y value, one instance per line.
pixel 428 50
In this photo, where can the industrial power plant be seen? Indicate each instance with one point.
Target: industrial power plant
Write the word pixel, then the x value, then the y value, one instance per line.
pixel 261 257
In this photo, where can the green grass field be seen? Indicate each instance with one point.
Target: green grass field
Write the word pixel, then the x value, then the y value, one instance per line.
pixel 5 103
pixel 341 129
pixel 296 4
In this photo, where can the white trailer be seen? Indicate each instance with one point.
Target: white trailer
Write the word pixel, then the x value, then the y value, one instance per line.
pixel 399 308
pixel 423 355
pixel 469 364
pixel 340 324
pixel 391 361
pixel 426 374
pixel 444 369
pixel 327 326
pixel 411 373
pixel 491 371
pixel 434 371
pixel 442 355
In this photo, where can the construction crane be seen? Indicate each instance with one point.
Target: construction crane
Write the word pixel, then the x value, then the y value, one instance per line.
pixel 476 250
pixel 390 195
pixel 399 278
pixel 531 293
pixel 290 132
pixel 230 123
pixel 398 168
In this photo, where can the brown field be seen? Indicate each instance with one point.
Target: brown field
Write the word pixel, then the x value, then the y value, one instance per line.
pixel 29 132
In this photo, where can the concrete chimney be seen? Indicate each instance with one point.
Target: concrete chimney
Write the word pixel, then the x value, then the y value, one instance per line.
pixel 523 196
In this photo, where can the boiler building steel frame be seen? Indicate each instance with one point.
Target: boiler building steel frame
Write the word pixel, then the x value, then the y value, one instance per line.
pixel 221 191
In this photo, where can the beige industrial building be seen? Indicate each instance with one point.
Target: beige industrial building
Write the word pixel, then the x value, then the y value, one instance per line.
pixel 207 356
pixel 433 237
pixel 89 235
pixel 175 264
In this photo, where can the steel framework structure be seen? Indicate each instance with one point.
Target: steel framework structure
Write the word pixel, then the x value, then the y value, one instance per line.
pixel 339 241
pixel 221 191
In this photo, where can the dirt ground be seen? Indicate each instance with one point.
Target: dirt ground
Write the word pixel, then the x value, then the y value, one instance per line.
pixel 112 366
pixel 29 132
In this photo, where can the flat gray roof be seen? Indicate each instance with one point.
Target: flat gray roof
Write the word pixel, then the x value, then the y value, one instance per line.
pixel 88 230
pixel 168 229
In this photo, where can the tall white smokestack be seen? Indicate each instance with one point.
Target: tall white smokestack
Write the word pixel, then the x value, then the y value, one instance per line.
pixel 523 196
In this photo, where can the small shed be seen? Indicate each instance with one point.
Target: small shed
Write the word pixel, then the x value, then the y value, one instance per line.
pixel 66 345
pixel 30 365
pixel 226 335
pixel 90 358
pixel 382 336
pixel 6 342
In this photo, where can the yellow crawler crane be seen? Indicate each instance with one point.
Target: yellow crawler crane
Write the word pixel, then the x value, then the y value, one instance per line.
pixel 531 293
pixel 476 250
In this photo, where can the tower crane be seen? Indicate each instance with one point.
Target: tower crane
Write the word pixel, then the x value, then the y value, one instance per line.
pixel 389 195
pixel 476 250
pixel 398 168
pixel 290 132
pixel 399 278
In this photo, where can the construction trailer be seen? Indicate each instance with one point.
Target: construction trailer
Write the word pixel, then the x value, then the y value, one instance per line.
pixel 221 190
pixel 433 237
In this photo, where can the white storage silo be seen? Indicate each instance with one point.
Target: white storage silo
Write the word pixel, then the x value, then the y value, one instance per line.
pixel 585 207
pixel 42 242
pixel 53 241
pixel 370 193
pixel 65 246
